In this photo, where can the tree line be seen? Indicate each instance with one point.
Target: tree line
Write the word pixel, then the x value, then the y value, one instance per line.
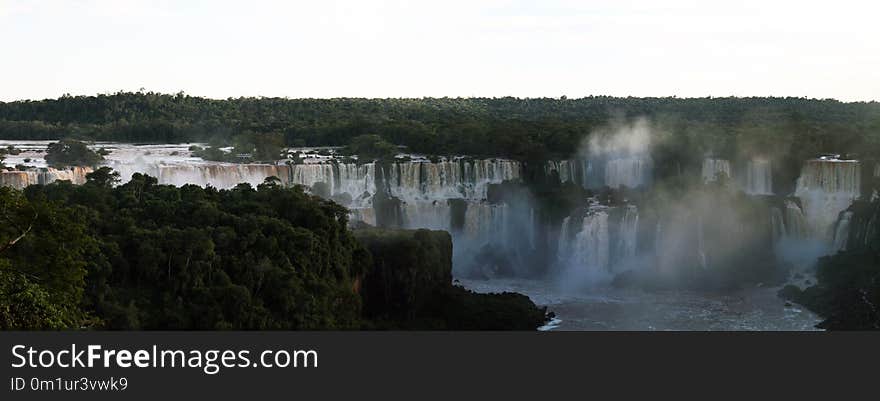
pixel 526 129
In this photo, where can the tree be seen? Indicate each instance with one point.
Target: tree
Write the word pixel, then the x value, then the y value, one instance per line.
pixel 370 147
pixel 103 177
pixel 69 152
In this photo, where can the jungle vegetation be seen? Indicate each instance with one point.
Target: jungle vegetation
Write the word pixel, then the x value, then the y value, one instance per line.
pixel 147 256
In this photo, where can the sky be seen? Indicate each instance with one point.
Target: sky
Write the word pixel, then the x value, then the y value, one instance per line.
pixel 456 48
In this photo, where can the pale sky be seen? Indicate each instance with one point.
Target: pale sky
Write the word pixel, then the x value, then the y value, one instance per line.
pixel 368 48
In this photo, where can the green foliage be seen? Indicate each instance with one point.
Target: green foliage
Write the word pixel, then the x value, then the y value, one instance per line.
pixel 148 256
pixel 103 177
pixel 26 305
pixel 526 129
pixel 247 147
pixel 409 268
pixel 68 152
pixel 44 252
pixel 370 147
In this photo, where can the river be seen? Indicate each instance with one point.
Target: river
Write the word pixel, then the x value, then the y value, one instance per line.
pixel 607 308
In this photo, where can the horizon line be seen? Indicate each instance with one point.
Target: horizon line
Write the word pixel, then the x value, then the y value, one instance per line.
pixel 459 97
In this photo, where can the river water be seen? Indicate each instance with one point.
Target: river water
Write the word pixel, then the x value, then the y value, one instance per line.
pixel 606 308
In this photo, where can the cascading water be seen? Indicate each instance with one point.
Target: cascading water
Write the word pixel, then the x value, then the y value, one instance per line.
pixel 715 168
pixel 758 177
pixel 467 179
pixel 795 222
pixel 628 233
pixel 43 176
pixel 841 232
pixel 591 249
pixel 826 187
pixel 629 172
pixel 632 172
pixel 605 239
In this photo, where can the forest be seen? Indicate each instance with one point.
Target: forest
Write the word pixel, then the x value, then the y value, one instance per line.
pixel 520 128
pixel 147 256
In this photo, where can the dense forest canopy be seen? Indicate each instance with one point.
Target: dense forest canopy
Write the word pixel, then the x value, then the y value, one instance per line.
pixel 146 256
pixel 511 127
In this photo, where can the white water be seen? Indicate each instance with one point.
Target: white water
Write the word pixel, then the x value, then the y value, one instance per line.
pixel 825 188
pixel 629 172
pixel 632 172
pixel 713 169
pixel 43 176
pixel 600 245
pixel 758 177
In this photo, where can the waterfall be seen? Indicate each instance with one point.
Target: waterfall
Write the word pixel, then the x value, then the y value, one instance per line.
pixel 434 215
pixel 629 172
pixel 484 224
pixel 629 229
pixel 826 187
pixel 715 168
pixel 43 176
pixel 617 172
pixel 841 232
pixel 759 177
pixel 701 242
pixel 340 178
pixel 590 250
pixel 565 168
pixel 796 225
pixel 578 171
pixel 564 241
pixel 468 179
pixel 533 229
pixel 604 240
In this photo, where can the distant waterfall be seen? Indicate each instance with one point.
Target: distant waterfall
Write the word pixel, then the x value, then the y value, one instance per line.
pixel 796 225
pixel 715 168
pixel 357 181
pixel 217 175
pixel 604 238
pixel 841 232
pixel 629 229
pixel 43 176
pixel 827 187
pixel 616 172
pixel 591 249
pixel 434 215
pixel 777 223
pixel 466 179
pixel 564 241
pixel 758 177
pixel 485 223
pixel 629 172
pixel 580 172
